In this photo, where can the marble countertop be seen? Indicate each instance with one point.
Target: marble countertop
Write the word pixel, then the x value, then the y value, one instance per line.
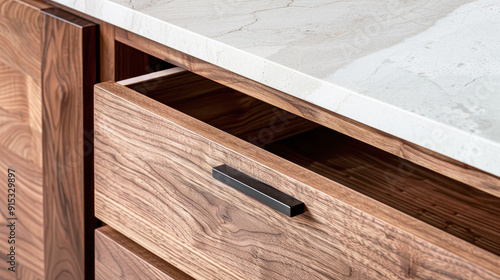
pixel 425 71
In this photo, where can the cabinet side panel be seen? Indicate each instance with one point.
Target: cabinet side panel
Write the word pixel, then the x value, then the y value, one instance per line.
pixel 107 52
pixel 68 69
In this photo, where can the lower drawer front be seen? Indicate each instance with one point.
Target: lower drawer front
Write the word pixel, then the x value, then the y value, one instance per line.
pixel 117 257
pixel 154 184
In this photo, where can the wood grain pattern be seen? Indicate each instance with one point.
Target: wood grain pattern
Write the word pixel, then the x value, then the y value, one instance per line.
pixel 21 133
pixel 31 44
pixel 119 258
pixel 236 113
pixel 107 52
pixel 154 185
pixel 20 149
pixel 29 224
pixel 20 35
pixel 69 61
pixel 396 146
pixel 435 199
pixel 21 127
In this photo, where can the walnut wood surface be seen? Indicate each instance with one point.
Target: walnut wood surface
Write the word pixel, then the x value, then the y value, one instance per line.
pixel 20 35
pixel 69 71
pixel 44 70
pixel 21 133
pixel 396 146
pixel 38 60
pixel 119 258
pixel 154 185
pixel 20 149
pixel 227 109
pixel 107 52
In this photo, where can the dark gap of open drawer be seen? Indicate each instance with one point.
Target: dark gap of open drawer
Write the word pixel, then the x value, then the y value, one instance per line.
pixel 444 203
pixel 234 112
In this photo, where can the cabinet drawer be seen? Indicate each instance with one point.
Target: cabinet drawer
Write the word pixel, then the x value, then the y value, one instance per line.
pixel 367 214
pixel 118 258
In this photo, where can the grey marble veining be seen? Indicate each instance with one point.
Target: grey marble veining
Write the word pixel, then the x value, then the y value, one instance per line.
pixel 425 71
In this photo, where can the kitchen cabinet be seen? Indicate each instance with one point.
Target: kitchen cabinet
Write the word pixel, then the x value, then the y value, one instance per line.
pixel 159 136
pixel 47 70
pixel 193 147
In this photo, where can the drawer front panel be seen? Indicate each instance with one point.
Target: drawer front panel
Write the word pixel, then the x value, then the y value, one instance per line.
pixel 118 258
pixel 154 184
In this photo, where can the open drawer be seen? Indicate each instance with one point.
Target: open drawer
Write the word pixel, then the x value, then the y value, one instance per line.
pixel 368 214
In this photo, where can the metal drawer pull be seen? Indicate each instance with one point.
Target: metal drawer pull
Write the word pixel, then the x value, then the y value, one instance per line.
pixel 259 191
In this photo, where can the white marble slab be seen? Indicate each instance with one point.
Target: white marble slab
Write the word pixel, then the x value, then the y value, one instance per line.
pixel 425 71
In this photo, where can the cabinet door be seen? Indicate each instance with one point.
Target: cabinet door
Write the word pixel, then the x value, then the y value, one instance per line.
pixel 47 64
pixel 21 138
pixel 68 74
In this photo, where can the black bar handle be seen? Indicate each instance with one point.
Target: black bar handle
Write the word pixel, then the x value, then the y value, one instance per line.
pixel 259 191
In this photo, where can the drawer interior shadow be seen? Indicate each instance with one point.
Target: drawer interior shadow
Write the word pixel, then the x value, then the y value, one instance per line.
pixel 444 203
pixel 234 112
